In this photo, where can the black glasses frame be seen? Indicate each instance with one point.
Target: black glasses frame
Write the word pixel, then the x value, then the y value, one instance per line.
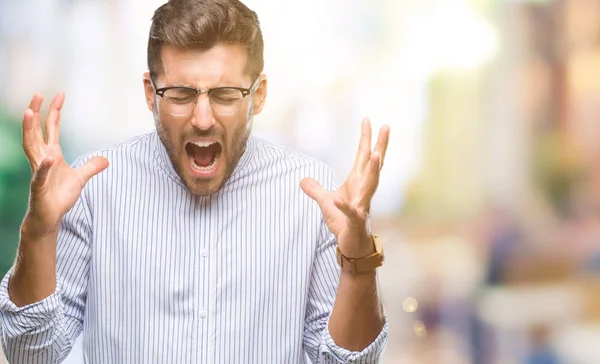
pixel 245 91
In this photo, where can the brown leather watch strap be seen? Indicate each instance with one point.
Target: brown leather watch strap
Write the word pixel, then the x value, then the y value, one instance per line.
pixel 365 264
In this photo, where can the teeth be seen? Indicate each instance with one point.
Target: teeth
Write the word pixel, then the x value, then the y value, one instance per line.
pixel 204 144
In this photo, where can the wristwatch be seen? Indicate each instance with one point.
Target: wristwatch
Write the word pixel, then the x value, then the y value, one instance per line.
pixel 365 264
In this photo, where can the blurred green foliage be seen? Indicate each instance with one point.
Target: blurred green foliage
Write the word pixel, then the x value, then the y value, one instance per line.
pixel 558 170
pixel 14 187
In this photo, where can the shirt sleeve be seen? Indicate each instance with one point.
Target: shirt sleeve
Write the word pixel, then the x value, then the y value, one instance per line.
pixel 318 342
pixel 44 332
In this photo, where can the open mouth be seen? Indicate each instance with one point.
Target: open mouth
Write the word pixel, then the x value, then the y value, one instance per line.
pixel 203 156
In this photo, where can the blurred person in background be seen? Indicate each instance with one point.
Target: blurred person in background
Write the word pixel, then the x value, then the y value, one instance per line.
pixel 194 243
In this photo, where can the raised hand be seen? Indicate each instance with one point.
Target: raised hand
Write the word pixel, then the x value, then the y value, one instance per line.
pixel 346 211
pixel 55 186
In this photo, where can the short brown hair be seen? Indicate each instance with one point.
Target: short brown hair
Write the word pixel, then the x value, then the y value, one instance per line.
pixel 202 24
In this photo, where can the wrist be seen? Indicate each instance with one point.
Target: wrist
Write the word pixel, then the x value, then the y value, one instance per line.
pixel 358 249
pixel 32 229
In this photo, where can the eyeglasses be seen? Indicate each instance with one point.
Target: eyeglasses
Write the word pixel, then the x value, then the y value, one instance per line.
pixel 182 100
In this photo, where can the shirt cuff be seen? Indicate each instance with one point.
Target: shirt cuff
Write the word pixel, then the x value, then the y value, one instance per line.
pixel 17 321
pixel 332 353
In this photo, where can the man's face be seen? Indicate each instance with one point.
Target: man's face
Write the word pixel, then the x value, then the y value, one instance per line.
pixel 204 147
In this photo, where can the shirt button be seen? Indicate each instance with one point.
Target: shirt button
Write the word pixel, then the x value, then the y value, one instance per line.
pixel 203 313
pixel 204 252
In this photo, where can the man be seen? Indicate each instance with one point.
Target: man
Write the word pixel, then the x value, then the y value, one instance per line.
pixel 196 244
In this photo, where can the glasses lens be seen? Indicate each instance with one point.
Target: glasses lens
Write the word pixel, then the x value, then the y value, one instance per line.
pixel 226 101
pixel 180 101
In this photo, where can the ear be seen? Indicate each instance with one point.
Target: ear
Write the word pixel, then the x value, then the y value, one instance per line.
pixel 149 91
pixel 260 95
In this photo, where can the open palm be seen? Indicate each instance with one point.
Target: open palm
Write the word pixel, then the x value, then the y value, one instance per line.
pixel 55 186
pixel 346 211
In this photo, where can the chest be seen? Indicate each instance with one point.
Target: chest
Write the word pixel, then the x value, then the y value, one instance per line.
pixel 162 244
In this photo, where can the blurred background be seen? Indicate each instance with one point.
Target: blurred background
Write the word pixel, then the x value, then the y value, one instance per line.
pixel 489 201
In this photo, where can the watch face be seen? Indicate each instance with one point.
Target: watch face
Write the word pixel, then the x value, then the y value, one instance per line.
pixel 378 244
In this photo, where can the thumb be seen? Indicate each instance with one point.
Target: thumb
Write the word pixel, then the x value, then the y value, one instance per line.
pixel 92 168
pixel 42 173
pixel 313 190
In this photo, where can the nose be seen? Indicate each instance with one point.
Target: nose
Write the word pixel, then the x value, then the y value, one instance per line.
pixel 203 116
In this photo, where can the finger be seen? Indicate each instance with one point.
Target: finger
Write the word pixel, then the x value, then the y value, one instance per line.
pixel 29 139
pixel 35 105
pixel 314 190
pixel 40 175
pixel 348 209
pixel 364 146
pixel 91 168
pixel 54 118
pixel 382 142
pixel 371 181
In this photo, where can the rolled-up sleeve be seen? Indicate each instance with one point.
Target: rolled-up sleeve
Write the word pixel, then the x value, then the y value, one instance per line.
pixel 32 333
pixel 318 342
pixel 44 331
pixel 332 353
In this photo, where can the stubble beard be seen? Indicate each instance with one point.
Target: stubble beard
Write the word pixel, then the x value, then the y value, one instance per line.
pixel 238 146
